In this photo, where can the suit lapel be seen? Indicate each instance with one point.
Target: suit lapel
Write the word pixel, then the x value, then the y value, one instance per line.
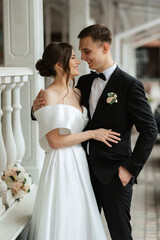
pixel 108 88
pixel 86 94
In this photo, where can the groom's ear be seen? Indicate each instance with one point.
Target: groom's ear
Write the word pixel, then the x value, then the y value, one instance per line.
pixel 105 47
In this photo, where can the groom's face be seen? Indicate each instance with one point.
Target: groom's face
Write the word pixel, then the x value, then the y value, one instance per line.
pixel 93 53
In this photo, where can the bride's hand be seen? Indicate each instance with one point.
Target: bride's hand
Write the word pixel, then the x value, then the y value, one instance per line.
pixel 105 135
pixel 38 102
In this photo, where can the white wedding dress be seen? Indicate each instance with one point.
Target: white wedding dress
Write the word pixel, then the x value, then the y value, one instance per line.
pixel 65 206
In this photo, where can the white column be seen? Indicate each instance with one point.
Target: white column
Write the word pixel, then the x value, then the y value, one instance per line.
pixel 132 71
pixel 64 27
pixel 79 18
pixel 16 122
pixel 125 56
pixel 128 58
pixel 3 159
pixel 117 50
pixel 23 46
pixel 108 16
pixel 8 137
pixel 47 9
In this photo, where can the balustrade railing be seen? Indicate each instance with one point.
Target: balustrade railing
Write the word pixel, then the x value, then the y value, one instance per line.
pixel 12 145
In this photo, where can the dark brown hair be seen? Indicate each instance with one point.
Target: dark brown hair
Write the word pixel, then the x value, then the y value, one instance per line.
pixel 55 52
pixel 98 32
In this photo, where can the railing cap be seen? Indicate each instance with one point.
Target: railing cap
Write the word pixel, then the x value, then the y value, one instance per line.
pixel 15 71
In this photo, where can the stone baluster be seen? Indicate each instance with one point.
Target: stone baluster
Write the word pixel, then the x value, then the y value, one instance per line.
pixel 8 137
pixel 3 160
pixel 16 122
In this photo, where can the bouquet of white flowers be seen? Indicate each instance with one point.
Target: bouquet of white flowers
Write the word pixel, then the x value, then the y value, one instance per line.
pixel 18 180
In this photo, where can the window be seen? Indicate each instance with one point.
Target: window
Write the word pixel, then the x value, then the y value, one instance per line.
pixel 148 62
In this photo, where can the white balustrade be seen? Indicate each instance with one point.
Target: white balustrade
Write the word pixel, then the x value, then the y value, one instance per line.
pixel 12 145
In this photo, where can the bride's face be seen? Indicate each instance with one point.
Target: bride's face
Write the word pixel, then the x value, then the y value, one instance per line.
pixel 73 64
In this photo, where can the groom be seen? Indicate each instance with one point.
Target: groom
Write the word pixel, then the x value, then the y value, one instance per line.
pixel 115 100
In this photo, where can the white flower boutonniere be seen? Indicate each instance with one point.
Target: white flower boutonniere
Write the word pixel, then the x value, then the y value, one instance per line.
pixel 112 98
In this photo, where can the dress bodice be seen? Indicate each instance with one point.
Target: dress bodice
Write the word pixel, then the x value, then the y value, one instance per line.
pixel 66 118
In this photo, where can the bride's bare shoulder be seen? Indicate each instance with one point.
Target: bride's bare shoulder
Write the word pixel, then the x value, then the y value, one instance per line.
pixel 50 97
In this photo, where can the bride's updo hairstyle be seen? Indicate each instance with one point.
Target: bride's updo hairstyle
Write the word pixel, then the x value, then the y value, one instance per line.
pixel 55 52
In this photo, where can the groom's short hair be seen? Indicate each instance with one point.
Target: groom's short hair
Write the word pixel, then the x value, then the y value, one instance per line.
pixel 98 32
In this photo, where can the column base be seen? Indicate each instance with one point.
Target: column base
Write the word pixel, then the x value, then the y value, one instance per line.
pixel 7 198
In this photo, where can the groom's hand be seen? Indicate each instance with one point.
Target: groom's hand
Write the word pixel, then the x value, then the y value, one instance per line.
pixel 38 102
pixel 124 175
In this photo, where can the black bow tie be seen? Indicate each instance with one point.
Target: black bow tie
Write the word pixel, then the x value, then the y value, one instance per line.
pixel 98 75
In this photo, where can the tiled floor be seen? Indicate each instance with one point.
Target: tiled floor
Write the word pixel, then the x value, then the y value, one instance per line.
pixel 145 210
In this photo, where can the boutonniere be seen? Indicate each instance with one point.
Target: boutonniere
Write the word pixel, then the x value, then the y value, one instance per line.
pixel 112 98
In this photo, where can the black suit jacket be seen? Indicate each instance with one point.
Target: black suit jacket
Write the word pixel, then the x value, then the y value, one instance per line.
pixel 132 108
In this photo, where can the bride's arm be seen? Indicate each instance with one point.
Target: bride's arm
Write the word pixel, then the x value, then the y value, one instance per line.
pixel 57 141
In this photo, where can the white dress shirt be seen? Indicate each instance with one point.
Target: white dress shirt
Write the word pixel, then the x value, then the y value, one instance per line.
pixel 98 87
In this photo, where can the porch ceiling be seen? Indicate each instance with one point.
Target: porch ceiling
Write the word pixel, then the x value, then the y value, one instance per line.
pixel 132 13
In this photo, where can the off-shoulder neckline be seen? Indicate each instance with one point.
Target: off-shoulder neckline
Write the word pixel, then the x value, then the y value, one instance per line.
pixel 67 105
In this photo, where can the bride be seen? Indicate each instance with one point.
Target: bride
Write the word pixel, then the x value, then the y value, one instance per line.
pixel 65 206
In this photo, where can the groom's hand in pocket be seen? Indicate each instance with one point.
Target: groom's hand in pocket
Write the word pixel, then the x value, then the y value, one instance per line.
pixel 124 175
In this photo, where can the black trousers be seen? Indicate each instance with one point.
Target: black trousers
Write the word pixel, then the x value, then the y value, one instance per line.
pixel 115 200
